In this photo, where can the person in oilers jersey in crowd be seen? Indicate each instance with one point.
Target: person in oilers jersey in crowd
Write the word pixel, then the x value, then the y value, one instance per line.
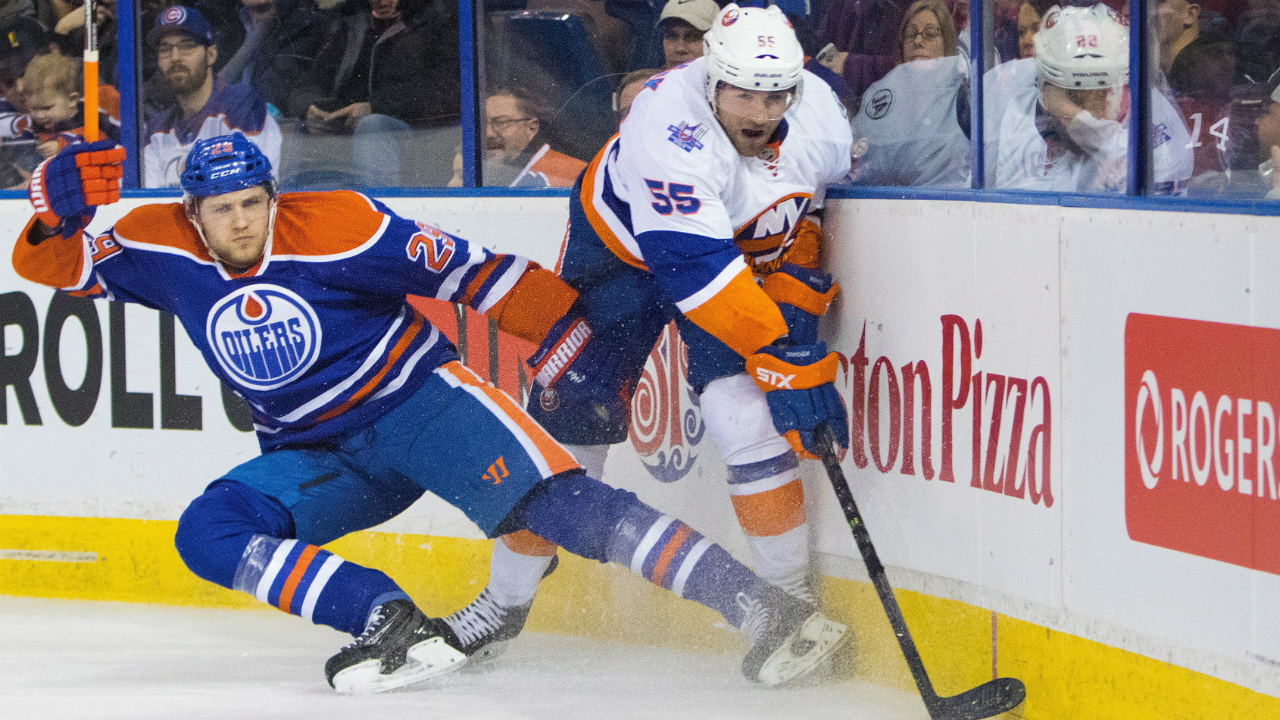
pixel 360 405
pixel 1060 121
pixel 713 182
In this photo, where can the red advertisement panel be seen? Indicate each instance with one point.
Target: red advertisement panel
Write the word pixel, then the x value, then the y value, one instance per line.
pixel 1200 438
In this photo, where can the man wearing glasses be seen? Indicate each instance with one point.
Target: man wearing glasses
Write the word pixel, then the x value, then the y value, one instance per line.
pixel 206 106
pixel 516 151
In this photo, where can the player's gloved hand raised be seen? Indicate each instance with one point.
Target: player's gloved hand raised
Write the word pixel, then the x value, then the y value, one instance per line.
pixel 66 189
pixel 570 368
pixel 803 296
pixel 797 382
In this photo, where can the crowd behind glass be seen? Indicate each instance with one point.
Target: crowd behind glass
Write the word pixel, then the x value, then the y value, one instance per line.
pixel 368 92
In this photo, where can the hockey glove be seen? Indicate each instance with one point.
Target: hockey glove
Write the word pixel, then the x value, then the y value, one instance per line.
pixel 571 368
pixel 66 189
pixel 803 296
pixel 797 382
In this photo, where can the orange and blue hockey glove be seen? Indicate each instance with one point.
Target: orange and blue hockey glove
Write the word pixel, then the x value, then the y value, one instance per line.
pixel 574 369
pixel 66 189
pixel 803 296
pixel 798 384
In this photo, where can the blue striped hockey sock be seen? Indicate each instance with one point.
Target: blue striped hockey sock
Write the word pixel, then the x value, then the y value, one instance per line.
pixel 672 555
pixel 315 584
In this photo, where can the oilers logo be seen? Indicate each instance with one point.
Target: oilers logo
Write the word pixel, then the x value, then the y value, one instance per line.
pixel 264 336
pixel 666 422
pixel 763 238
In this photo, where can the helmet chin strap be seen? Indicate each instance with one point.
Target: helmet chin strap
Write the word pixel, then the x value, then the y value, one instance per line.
pixel 193 216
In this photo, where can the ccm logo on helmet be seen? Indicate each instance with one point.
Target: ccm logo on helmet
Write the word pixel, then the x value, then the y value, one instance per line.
pixel 223 173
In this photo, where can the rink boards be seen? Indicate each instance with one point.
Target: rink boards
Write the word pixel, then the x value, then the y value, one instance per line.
pixel 1063 427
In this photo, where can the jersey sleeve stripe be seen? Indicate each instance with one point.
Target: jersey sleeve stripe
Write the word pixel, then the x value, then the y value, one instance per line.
pixel 740 315
pixel 711 289
pixel 462 274
pixel 500 285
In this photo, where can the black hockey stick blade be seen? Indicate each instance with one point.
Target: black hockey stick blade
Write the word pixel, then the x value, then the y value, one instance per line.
pixel 987 700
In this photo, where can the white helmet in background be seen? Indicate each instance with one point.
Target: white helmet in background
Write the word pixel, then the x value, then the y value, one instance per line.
pixel 1083 48
pixel 754 49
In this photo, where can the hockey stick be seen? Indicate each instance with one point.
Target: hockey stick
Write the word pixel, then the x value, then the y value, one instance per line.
pixel 90 71
pixel 988 699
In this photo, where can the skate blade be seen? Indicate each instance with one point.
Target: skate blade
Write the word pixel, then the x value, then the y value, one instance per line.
pixel 820 635
pixel 425 660
pixel 489 653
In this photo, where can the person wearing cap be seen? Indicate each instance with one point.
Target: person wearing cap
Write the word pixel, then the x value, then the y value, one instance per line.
pixel 1268 124
pixel 206 106
pixel 21 40
pixel 682 24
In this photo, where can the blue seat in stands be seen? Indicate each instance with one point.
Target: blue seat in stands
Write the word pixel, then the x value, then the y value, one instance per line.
pixel 581 84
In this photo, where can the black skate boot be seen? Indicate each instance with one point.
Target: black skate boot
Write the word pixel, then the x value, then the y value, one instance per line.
pixel 789 637
pixel 484 628
pixel 400 646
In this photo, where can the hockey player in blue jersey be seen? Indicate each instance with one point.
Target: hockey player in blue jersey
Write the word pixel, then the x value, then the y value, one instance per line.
pixel 702 210
pixel 298 302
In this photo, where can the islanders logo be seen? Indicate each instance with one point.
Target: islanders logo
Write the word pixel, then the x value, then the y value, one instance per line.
pixel 765 237
pixel 264 336
pixel 687 137
pixel 666 422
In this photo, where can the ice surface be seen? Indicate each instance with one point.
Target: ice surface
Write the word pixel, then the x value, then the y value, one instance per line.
pixel 89 660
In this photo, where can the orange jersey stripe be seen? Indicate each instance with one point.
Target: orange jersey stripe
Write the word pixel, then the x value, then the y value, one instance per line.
pixel 598 224
pixel 414 328
pixel 486 269
pixel 558 459
pixel 771 512
pixel 669 552
pixel 524 542
pixel 741 316
pixel 295 577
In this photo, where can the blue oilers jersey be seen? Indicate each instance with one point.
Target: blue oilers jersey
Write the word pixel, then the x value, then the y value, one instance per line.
pixel 318 337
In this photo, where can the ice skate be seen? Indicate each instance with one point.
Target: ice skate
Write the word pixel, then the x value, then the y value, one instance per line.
pixel 789 638
pixel 400 646
pixel 484 628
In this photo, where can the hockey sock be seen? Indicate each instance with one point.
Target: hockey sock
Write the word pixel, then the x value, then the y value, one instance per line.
pixel 315 584
pixel 598 522
pixel 235 536
pixel 516 567
pixel 768 499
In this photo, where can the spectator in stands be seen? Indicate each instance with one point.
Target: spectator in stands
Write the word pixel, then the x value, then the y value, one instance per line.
pixel 69 33
pixel 1202 83
pixel 682 24
pixel 281 40
pixel 865 35
pixel 915 120
pixel 206 106
pixel 1029 15
pixel 1269 139
pixel 51 89
pixel 1177 24
pixel 21 40
pixel 17 8
pixel 516 153
pixel 630 86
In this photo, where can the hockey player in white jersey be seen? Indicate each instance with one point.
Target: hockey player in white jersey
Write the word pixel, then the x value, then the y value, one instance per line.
pixel 1072 135
pixel 711 186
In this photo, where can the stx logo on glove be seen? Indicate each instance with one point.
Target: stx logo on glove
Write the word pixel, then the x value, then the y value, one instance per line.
pixel 554 365
pixel 776 380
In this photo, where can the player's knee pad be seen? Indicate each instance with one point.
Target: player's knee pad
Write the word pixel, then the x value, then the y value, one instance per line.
pixel 576 512
pixel 739 420
pixel 217 527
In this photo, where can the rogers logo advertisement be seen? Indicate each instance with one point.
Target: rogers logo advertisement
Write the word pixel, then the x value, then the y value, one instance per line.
pixel 1200 438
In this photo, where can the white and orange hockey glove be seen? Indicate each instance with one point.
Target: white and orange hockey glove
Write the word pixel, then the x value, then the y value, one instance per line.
pixel 66 189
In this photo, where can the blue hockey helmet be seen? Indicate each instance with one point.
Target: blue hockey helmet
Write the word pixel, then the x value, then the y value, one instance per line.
pixel 224 164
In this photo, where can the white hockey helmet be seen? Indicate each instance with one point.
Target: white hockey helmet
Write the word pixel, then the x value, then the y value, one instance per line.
pixel 1083 48
pixel 754 49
